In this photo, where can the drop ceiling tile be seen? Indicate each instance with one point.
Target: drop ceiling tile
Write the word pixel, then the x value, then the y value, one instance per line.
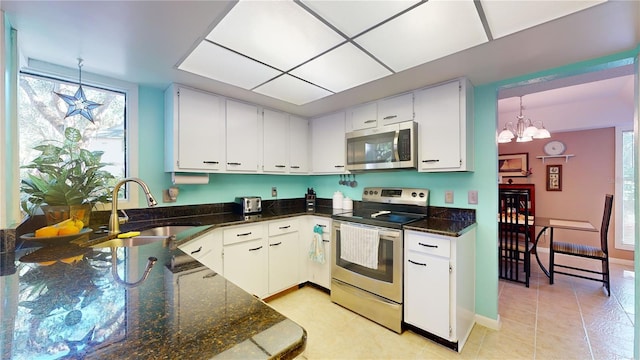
pixel 293 90
pixel 430 31
pixel 354 17
pixel 220 64
pixel 341 69
pixel 507 17
pixel 278 33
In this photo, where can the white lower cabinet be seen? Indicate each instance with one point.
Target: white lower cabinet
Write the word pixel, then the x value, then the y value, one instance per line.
pixel 439 284
pixel 207 249
pixel 246 257
pixel 318 273
pixel 284 239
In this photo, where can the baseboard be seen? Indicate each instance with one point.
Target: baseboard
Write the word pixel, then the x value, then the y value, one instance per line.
pixel 611 259
pixel 494 324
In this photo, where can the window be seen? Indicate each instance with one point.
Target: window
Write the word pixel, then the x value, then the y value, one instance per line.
pixel 625 190
pixel 41 116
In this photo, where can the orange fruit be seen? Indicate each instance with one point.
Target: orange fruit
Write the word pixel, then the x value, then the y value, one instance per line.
pixel 46 263
pixel 73 259
pixel 46 231
pixel 68 230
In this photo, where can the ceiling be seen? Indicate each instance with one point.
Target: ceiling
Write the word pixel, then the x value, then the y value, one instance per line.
pixel 145 41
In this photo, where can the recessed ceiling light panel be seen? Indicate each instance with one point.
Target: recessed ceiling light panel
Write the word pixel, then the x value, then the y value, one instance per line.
pixel 220 64
pixel 354 17
pixel 293 90
pixel 341 69
pixel 508 17
pixel 428 32
pixel 278 33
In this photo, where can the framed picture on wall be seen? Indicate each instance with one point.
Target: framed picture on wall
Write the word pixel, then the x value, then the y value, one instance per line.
pixel 554 177
pixel 513 165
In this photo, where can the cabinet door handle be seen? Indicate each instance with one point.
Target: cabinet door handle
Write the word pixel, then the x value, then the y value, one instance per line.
pixel 196 251
pixel 321 225
pixel 210 162
pixel 338 166
pixel 389 117
pixel 417 263
pixel 369 121
pixel 280 166
pixel 431 161
pixel 326 240
pixel 254 249
pixel 244 234
pixel 234 163
pixel 295 167
pixel 284 227
pixel 276 244
pixel 428 245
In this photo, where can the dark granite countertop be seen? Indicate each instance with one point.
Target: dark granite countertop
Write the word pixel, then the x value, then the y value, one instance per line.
pixel 74 308
pixel 445 227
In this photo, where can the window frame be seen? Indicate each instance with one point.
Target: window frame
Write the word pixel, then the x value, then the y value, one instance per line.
pixel 619 188
pixel 41 68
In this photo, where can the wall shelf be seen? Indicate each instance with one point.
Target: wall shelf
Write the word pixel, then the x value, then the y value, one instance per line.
pixel 544 157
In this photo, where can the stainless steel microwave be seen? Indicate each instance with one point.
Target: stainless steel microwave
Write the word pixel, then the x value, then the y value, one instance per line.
pixel 387 147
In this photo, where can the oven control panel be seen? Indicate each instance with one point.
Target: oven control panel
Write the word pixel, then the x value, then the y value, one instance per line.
pixel 405 196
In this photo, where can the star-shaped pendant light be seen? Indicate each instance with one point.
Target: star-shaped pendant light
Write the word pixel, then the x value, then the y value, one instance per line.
pixel 78 103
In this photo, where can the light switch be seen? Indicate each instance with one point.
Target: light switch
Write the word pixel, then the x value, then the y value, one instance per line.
pixel 473 196
pixel 448 197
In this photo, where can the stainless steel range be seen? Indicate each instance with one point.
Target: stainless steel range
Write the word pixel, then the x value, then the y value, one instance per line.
pixel 366 273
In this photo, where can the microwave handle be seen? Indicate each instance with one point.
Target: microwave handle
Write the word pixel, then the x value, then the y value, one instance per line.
pixel 395 145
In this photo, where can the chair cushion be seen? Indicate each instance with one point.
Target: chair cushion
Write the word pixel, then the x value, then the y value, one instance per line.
pixel 578 249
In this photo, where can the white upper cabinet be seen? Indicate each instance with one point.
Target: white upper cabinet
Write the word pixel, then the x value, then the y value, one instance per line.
pixel 328 144
pixel 243 140
pixel 444 114
pixel 194 131
pixel 276 141
pixel 363 116
pixel 298 145
pixel 395 109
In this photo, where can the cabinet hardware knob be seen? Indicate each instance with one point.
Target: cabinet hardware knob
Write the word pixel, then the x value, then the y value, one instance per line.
pixel 210 162
pixel 339 166
pixel 280 166
pixel 369 121
pixel 431 161
pixel 417 263
pixel 389 117
pixel 326 240
pixel 196 251
pixel 295 167
pixel 276 244
pixel 254 249
pixel 244 234
pixel 284 227
pixel 234 163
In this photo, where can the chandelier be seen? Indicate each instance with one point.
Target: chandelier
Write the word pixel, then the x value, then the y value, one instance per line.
pixel 523 130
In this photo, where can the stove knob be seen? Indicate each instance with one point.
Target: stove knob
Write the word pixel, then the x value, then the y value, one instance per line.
pixel 413 194
pixel 422 195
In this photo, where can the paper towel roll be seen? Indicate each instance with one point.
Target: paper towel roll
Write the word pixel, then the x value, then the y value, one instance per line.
pixel 180 179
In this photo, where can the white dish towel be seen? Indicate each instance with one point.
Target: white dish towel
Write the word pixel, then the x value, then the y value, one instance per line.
pixel 359 245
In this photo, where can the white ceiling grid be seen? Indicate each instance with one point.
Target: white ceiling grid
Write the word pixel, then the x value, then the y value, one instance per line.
pixel 302 51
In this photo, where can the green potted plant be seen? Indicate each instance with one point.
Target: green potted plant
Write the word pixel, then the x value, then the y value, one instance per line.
pixel 68 180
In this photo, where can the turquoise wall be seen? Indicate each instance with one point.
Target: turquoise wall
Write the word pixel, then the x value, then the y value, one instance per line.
pixel 224 187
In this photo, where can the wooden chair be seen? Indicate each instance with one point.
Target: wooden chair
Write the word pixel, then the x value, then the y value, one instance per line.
pixel 514 242
pixel 592 252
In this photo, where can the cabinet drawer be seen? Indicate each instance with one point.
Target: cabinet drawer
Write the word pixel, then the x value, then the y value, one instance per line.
pixel 243 233
pixel 428 244
pixel 283 227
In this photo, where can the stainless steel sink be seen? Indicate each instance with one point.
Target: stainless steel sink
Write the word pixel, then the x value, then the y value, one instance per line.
pixel 167 230
pixel 148 236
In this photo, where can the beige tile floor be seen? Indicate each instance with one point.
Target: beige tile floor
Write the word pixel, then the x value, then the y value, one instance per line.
pixel 572 319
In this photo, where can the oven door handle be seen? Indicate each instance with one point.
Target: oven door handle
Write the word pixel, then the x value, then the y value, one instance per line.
pixel 395 145
pixel 390 235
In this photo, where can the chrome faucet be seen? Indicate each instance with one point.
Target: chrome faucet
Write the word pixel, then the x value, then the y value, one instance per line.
pixel 114 219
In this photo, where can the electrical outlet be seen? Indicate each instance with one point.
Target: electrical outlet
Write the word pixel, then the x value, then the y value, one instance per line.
pixel 448 197
pixel 274 192
pixel 473 196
